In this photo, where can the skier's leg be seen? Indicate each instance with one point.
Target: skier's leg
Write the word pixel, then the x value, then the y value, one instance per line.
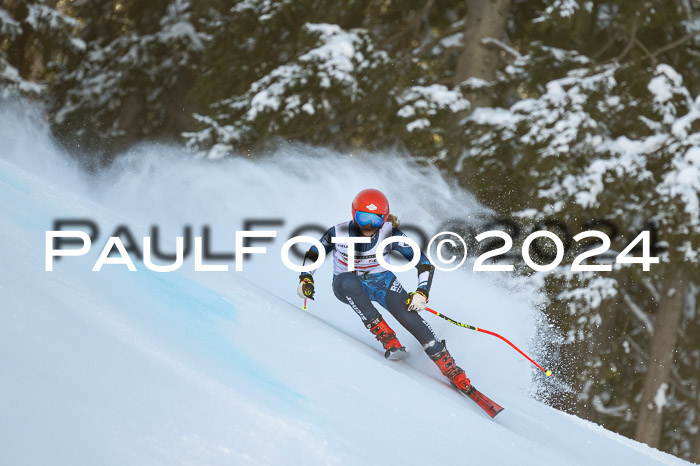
pixel 396 297
pixel 449 368
pixel 348 288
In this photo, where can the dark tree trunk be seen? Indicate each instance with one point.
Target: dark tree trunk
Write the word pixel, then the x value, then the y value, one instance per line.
pixel 661 359
pixel 17 54
pixel 695 455
pixel 484 19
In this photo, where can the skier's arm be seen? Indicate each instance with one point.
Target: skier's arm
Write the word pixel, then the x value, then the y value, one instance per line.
pixel 419 298
pixel 312 254
pixel 306 279
pixel 425 275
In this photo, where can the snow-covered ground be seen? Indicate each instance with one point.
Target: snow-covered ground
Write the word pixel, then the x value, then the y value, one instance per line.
pixel 119 367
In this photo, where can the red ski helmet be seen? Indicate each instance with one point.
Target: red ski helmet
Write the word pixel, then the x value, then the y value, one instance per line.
pixel 370 201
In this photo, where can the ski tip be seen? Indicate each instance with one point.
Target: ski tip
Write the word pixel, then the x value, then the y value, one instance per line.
pixel 396 354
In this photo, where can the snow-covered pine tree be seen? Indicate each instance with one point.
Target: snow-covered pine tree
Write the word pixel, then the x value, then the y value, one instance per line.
pixel 131 81
pixel 311 95
pixel 605 129
pixel 359 74
pixel 36 39
pixel 617 143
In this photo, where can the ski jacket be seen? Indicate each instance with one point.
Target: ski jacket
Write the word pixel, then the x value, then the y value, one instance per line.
pixel 366 253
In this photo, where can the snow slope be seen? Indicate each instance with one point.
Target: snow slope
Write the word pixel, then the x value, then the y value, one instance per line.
pixel 119 367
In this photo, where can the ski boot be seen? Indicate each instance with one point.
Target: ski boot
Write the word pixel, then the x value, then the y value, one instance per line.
pixel 450 369
pixel 386 336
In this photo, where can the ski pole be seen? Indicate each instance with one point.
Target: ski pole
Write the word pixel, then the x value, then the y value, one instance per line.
pixel 471 327
pixel 305 307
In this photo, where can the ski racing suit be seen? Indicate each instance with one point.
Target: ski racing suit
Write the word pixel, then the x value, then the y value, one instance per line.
pixel 372 282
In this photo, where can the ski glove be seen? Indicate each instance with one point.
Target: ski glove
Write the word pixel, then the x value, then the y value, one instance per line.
pixel 417 300
pixel 306 286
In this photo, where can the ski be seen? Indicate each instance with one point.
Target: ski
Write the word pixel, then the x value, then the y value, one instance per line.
pixel 396 354
pixel 487 404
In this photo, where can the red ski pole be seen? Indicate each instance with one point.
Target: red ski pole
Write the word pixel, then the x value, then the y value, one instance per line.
pixel 471 327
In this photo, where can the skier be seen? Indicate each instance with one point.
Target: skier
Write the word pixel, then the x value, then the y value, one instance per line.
pixel 371 282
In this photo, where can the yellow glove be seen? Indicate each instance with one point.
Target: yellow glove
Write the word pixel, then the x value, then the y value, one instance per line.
pixel 306 286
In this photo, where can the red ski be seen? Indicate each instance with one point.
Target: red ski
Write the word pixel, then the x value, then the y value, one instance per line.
pixel 487 404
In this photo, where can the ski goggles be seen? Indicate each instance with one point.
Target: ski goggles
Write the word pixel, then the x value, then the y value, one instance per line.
pixel 368 218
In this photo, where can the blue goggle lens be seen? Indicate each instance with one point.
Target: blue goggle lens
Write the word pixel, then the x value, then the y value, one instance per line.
pixel 367 218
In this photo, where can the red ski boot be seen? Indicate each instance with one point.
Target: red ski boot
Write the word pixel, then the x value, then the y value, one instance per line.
pixel 450 369
pixel 387 337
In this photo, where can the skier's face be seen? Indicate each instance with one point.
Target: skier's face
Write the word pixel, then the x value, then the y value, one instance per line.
pixel 368 230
